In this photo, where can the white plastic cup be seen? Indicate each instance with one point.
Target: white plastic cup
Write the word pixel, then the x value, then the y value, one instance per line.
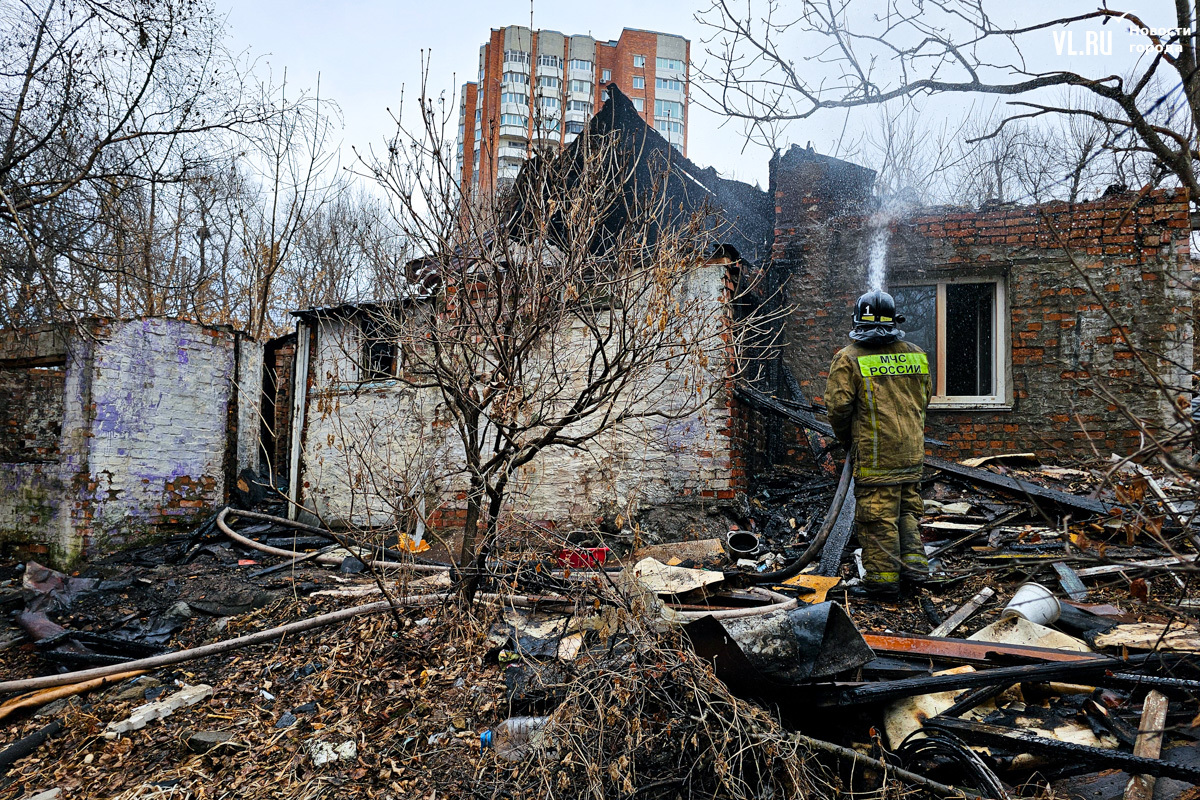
pixel 1035 603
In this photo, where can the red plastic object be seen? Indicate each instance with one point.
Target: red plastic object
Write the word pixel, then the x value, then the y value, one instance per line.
pixel 587 557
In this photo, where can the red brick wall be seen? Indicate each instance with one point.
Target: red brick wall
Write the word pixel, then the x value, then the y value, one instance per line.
pixel 471 95
pixel 1063 343
pixel 620 60
pixel 31 413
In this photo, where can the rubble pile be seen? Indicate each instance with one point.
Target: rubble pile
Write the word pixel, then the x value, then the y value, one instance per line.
pixel 1054 650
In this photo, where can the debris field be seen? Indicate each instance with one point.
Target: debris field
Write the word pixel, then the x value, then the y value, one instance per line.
pixel 1053 653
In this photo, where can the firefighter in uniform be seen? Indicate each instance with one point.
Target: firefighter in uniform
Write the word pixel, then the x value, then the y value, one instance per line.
pixel 879 388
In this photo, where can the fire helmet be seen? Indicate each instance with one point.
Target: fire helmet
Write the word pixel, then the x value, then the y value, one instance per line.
pixel 876 308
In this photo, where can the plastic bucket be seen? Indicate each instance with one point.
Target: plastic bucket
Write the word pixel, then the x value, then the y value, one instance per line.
pixel 742 544
pixel 1035 603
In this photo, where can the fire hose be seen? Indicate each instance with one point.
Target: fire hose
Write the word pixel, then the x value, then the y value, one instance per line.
pixel 818 543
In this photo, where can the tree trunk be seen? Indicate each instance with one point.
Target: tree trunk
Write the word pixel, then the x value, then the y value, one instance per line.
pixel 475 493
pixel 495 495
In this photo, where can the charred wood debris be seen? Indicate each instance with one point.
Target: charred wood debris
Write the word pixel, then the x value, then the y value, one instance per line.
pixel 1054 653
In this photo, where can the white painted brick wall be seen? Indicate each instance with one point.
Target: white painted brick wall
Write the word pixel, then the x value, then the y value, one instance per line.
pixel 363 448
pixel 160 392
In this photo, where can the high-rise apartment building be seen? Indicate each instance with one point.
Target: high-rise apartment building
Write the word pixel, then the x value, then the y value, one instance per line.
pixel 540 88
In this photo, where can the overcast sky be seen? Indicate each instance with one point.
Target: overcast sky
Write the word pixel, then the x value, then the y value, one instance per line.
pixel 366 51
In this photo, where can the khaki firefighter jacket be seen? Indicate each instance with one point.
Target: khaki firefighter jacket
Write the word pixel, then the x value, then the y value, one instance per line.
pixel 877 398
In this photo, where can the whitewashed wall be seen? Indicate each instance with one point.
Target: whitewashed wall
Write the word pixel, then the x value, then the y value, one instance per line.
pixel 364 447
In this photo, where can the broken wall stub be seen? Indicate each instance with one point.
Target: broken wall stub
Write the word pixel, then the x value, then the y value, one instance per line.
pixel 370 450
pixel 1041 338
pixel 133 434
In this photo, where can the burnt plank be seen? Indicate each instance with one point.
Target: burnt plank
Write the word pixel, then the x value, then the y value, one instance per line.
pixel 1020 488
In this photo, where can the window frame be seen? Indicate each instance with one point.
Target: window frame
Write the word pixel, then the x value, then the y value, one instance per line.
pixel 663 109
pixel 1001 398
pixel 372 341
pixel 639 61
pixel 639 82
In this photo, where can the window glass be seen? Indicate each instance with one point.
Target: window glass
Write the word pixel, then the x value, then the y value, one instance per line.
pixel 668 83
pixel 576 63
pixel 969 339
pixel 606 75
pixel 515 77
pixel 513 97
pixel 518 56
pixel 549 61
pixel 668 108
pixel 672 64
pixel 574 127
pixel 548 82
pixel 639 103
pixel 639 61
pixel 579 105
pixel 639 82
pixel 918 304
pixel 514 119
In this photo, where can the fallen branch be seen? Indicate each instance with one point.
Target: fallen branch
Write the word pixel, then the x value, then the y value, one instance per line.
pixel 216 648
pixel 41 698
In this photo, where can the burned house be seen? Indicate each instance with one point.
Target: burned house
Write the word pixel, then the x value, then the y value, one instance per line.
pixel 1038 319
pixel 1013 303
pixel 119 430
pixel 1042 322
pixel 365 443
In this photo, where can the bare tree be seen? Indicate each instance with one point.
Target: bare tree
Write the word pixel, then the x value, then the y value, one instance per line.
pixel 346 249
pixel 914 160
pixel 913 48
pixel 573 309
pixel 97 98
pixel 293 156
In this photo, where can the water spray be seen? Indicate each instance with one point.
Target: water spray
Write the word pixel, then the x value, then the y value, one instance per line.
pixel 880 226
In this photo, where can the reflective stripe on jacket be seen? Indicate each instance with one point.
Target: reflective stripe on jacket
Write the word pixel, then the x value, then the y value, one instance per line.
pixel 877 398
